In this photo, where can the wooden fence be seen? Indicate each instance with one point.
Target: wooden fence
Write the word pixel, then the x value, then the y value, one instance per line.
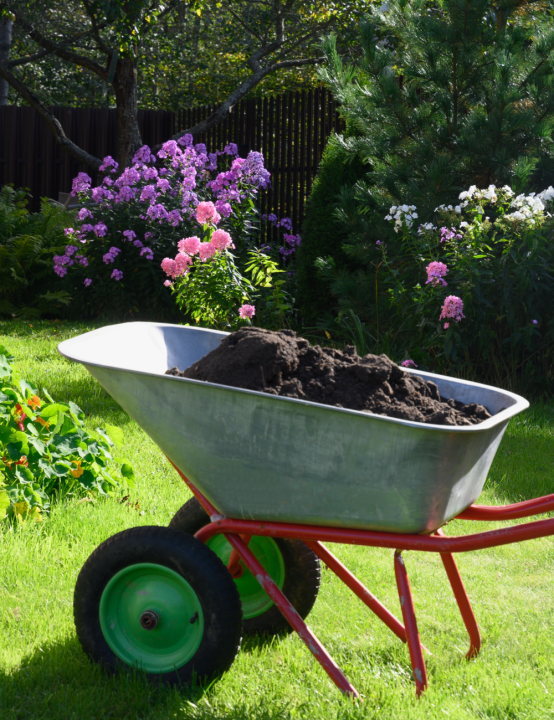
pixel 291 131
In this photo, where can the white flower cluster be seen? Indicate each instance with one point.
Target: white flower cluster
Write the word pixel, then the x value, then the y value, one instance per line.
pixel 449 208
pixel 426 227
pixel 400 213
pixel 528 207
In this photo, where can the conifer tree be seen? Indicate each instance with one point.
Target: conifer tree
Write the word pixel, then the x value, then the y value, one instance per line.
pixel 447 94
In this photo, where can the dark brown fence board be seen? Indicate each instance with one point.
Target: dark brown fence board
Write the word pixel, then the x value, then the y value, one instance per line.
pixel 291 131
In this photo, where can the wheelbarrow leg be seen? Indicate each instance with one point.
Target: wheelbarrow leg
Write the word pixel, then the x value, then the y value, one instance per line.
pixel 352 582
pixel 410 623
pixel 462 599
pixel 315 647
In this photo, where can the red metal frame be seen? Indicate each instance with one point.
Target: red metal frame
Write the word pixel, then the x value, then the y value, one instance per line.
pixel 238 533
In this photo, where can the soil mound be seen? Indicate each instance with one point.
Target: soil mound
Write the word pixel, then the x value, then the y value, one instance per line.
pixel 280 363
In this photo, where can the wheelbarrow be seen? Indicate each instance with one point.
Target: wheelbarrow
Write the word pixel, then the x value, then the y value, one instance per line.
pixel 273 478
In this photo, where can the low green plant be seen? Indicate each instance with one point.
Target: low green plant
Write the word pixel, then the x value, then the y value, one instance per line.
pixel 45 454
pixel 28 243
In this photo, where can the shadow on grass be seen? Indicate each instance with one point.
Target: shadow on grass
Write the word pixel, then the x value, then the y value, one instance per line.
pixel 58 681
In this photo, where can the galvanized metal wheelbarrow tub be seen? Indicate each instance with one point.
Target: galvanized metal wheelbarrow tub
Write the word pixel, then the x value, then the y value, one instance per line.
pixel 275 467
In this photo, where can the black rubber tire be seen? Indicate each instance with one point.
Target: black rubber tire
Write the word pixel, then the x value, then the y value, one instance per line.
pixel 302 573
pixel 197 564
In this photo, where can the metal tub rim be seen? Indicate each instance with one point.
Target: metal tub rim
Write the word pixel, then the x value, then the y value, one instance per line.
pixel 519 403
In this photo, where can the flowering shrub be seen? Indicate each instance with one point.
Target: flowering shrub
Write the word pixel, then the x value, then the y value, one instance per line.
pixel 133 222
pixel 44 451
pixel 496 316
pixel 207 283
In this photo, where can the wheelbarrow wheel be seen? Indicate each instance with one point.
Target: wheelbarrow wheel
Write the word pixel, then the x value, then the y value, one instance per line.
pixel 154 599
pixel 295 568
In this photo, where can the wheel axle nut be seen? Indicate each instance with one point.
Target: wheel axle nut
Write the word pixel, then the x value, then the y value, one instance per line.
pixel 149 619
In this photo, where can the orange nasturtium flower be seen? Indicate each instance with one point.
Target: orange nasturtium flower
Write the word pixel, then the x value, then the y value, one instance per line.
pixel 34 402
pixel 78 471
pixel 43 422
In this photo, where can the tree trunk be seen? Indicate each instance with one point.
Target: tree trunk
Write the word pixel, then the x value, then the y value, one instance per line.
pixel 126 98
pixel 5 44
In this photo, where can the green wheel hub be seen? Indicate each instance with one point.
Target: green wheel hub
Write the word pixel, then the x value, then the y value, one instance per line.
pixel 151 618
pixel 255 601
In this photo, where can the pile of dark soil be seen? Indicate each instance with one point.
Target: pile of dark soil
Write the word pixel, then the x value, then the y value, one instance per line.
pixel 280 363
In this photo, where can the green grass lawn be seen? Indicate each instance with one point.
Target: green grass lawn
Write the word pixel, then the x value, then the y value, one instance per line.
pixel 44 673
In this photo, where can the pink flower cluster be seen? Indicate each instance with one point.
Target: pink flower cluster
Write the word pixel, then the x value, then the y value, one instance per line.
pixel 206 213
pixel 247 311
pixel 408 363
pixel 435 273
pixel 453 308
pixel 191 246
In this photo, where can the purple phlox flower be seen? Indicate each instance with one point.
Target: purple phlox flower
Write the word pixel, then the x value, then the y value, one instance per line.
pixel 293 240
pixel 212 157
pixel 126 194
pixel 107 181
pixel 163 185
pixel 201 148
pixel 87 228
pixel 435 273
pixel 129 235
pixel 381 244
pixel 285 252
pixel 174 218
pixel 60 271
pixel 83 214
pixel 223 208
pixel 138 243
pixel 189 199
pixel 71 249
pixel 150 173
pixel 128 177
pixel 80 184
pixel 452 308
pixel 100 229
pixel 408 363
pixel 148 235
pixel 109 165
pixel 87 282
pixel 169 149
pixel 116 275
pixel 231 149
pixel 68 231
pixel 111 255
pixel 186 140
pixel 148 194
pixel 147 252
pixel 272 218
pixel 163 172
pixel 254 171
pixel 285 223
pixel 247 311
pixel 82 260
pixel 144 155
pixel 62 260
pixel 265 248
pixel 157 212
pixel 535 322
pixel 449 234
pixel 99 193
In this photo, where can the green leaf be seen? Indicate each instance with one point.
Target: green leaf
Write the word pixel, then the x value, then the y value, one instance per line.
pixel 27 389
pixel 128 474
pixel 47 395
pixel 76 410
pixel 5 367
pixel 116 434
pixel 51 410
pixel 106 437
pixel 4 502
